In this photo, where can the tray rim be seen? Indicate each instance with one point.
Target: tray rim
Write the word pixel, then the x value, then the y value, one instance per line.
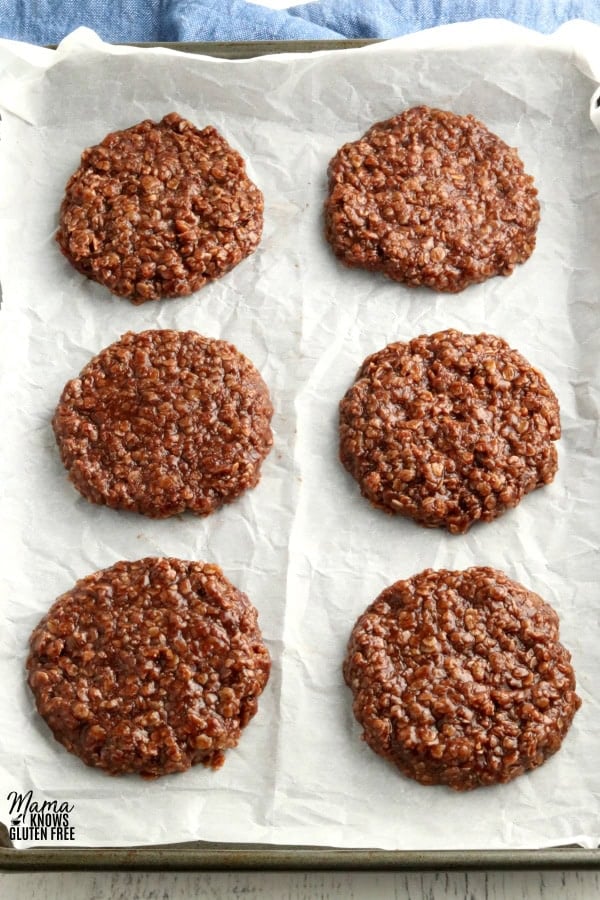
pixel 202 856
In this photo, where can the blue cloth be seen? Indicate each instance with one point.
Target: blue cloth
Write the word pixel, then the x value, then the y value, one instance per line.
pixel 48 21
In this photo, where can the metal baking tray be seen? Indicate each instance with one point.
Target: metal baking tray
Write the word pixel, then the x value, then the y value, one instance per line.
pixel 205 856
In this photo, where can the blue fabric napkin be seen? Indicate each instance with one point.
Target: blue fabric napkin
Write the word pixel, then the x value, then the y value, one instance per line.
pixel 48 21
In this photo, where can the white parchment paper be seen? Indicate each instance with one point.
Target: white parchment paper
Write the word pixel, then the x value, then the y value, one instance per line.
pixel 309 551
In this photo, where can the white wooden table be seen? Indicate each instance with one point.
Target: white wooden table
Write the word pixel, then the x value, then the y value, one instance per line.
pixel 300 886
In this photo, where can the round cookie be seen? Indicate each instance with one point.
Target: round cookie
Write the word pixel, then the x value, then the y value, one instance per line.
pixel 431 198
pixel 159 209
pixel 165 421
pixel 449 429
pixel 150 667
pixel 459 679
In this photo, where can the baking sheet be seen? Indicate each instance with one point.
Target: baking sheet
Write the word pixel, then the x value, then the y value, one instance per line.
pixel 309 551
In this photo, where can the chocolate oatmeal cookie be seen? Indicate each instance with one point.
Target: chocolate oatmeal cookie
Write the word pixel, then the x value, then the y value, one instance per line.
pixel 431 198
pixel 165 421
pixel 150 666
pixel 159 209
pixel 459 679
pixel 449 429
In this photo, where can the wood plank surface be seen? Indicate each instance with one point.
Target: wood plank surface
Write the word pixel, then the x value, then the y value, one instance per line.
pixel 300 886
